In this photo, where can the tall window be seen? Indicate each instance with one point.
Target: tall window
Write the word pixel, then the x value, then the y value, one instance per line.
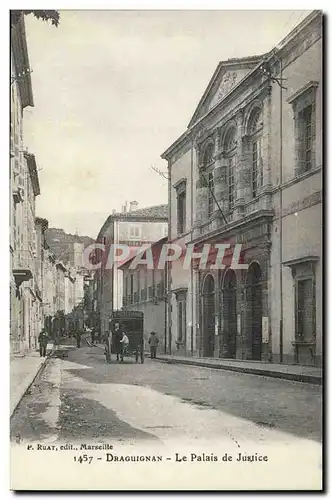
pixel 182 322
pixel 257 171
pixel 230 153
pixel 181 207
pixel 210 194
pixel 306 149
pixel 255 128
pixel 231 182
pixel 208 176
pixel 304 108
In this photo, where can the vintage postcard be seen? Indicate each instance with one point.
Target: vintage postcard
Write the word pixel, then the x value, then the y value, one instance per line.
pixel 166 279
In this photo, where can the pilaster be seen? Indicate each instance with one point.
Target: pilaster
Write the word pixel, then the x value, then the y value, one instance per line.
pixel 239 173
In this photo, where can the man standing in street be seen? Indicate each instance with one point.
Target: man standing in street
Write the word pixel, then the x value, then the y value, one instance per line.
pixel 78 338
pixel 42 339
pixel 153 341
pixel 93 334
pixel 118 342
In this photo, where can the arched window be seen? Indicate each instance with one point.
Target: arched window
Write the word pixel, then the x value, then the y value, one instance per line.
pixel 255 143
pixel 230 153
pixel 208 175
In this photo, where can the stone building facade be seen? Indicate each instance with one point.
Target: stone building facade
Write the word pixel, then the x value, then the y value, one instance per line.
pixel 49 287
pixel 144 289
pixel 133 229
pixel 21 98
pixel 250 154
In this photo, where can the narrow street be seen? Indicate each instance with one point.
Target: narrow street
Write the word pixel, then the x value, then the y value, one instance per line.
pixel 81 399
pixel 81 396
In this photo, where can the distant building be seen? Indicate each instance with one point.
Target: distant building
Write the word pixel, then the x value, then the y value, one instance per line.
pixel 61 271
pixel 144 290
pixel 77 256
pixel 40 255
pixel 49 290
pixel 133 229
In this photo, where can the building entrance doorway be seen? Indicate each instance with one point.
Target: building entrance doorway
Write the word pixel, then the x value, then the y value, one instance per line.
pixel 254 297
pixel 229 313
pixel 208 317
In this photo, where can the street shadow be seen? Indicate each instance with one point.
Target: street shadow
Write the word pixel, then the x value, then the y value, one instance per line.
pixel 261 408
pixel 27 422
pixel 82 419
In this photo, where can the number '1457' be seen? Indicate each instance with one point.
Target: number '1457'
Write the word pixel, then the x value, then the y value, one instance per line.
pixel 83 458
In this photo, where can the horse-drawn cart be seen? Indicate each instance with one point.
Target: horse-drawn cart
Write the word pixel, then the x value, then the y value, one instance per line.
pixel 131 323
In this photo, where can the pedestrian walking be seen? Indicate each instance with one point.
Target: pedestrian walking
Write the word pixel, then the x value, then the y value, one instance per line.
pixel 93 335
pixel 153 342
pixel 42 339
pixel 98 334
pixel 107 342
pixel 57 338
pixel 78 338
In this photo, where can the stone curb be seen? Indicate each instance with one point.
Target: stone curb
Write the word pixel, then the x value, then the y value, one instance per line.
pixel 297 377
pixel 39 370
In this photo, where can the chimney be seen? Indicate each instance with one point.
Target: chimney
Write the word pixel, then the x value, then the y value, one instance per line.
pixel 133 205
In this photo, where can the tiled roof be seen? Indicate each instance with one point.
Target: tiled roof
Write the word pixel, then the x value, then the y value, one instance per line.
pixel 154 212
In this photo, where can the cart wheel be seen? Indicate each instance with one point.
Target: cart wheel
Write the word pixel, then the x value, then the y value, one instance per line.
pixel 142 357
pixel 136 356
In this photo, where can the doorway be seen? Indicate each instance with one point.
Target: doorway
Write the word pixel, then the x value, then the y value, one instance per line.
pixel 255 310
pixel 229 313
pixel 208 317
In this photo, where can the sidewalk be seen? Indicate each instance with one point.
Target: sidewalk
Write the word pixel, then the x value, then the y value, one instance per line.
pixel 308 374
pixel 23 371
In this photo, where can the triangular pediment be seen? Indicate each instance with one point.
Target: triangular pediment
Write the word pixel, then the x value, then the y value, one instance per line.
pixel 226 76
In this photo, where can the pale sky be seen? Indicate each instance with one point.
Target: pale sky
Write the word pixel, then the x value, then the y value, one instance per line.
pixel 113 89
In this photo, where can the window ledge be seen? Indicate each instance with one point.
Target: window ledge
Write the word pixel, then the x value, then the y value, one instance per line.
pixel 301 260
pixel 298 178
pixel 303 343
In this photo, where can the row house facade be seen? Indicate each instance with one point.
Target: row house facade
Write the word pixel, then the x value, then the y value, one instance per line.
pixel 49 289
pixel 36 279
pixel 144 289
pixel 90 316
pixel 21 98
pixel 132 229
pixel 248 171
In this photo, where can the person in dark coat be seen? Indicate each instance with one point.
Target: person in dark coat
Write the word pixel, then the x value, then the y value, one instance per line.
pixel 93 334
pixel 78 338
pixel 42 339
pixel 118 333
